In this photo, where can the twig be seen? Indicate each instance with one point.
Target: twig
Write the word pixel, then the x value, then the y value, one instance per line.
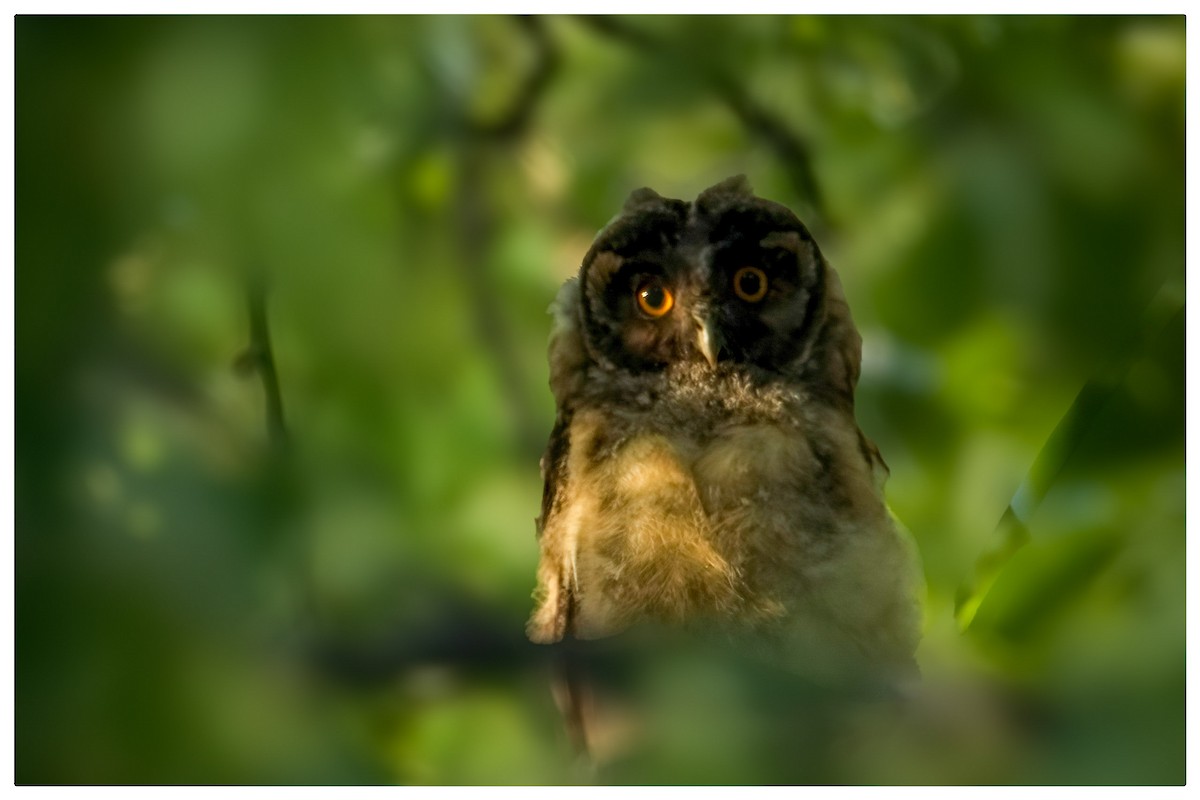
pixel 259 357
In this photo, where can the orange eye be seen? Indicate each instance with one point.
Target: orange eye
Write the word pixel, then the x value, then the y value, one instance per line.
pixel 750 283
pixel 654 298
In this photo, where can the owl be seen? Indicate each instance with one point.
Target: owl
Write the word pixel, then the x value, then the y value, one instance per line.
pixel 706 470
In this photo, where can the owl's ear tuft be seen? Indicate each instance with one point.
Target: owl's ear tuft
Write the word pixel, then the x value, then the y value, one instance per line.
pixel 737 186
pixel 718 196
pixel 641 197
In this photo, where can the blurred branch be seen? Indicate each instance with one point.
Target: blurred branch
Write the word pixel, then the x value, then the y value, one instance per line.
pixel 476 221
pixel 789 147
pixel 462 637
pixel 614 28
pixel 515 120
pixel 466 637
pixel 258 357
pixel 476 233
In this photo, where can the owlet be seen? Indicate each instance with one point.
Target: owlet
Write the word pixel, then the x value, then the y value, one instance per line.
pixel 706 469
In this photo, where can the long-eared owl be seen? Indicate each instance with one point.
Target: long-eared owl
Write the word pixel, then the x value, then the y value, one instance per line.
pixel 706 468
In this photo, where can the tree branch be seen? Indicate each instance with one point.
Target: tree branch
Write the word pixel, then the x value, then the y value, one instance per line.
pixel 515 120
pixel 476 221
pixel 789 147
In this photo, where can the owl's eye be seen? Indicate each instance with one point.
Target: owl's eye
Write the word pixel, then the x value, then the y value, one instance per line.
pixel 654 298
pixel 750 283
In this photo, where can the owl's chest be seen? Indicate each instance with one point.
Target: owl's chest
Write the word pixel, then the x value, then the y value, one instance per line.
pixel 677 522
pixel 758 476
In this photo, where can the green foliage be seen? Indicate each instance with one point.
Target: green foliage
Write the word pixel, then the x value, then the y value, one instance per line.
pixel 1003 198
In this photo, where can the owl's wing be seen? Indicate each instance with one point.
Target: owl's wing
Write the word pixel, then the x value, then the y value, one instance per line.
pixel 553 597
pixel 568 365
pixel 553 465
pixel 879 467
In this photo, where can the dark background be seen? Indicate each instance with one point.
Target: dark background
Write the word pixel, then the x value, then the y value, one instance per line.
pixel 211 589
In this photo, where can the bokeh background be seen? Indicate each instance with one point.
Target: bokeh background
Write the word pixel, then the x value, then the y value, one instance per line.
pixel 281 391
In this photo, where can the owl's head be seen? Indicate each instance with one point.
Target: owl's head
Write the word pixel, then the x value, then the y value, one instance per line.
pixel 728 279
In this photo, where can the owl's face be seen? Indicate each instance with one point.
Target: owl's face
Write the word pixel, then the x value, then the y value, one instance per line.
pixel 728 278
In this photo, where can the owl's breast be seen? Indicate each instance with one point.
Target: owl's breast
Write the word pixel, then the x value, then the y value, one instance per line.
pixel 748 464
pixel 640 539
pixel 795 510
pixel 690 521
pixel 781 499
pixel 798 481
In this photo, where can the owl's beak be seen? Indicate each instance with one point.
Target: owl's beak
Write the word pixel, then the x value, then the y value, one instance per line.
pixel 709 344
